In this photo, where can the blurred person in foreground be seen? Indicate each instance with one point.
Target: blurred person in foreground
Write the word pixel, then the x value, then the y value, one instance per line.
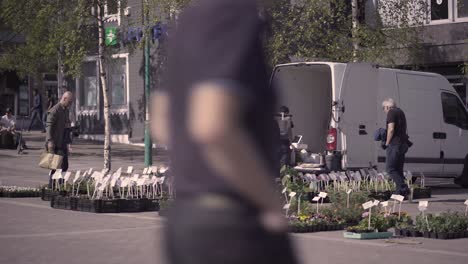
pixel 217 115
pixel 57 131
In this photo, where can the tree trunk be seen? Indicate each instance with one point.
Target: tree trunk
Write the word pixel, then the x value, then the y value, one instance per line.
pixel 354 14
pixel 105 88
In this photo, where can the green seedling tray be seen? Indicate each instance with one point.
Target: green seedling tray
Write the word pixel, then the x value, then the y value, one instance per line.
pixel 373 235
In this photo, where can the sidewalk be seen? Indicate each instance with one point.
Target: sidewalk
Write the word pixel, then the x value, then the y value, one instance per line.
pixel 22 170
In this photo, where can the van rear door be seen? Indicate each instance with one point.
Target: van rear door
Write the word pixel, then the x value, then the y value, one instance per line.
pixel 358 120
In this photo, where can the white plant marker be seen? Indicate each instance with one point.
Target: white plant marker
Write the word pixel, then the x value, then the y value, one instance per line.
pixel 348 193
pixel 90 170
pixel 400 199
pixel 129 169
pixel 317 199
pixel 368 205
pixel 384 205
pixel 322 195
pixel 286 207
pixel 145 170
pixel 422 206
pixel 466 210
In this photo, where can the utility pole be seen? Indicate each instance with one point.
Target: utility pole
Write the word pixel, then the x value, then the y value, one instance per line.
pixel 148 141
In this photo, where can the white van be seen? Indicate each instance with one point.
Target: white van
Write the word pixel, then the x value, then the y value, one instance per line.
pixel 336 107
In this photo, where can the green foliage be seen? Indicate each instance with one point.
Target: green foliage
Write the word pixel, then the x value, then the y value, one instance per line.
pixel 323 30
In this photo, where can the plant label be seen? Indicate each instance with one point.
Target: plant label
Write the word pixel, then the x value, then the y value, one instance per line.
pixel 316 198
pixel 145 170
pixel 286 206
pixel 368 205
pixel 90 170
pixel 292 194
pixel 135 177
pixel 284 190
pixel 397 197
pixel 57 175
pixel 163 170
pixel 162 179
pixel 129 169
pixel 332 176
pixel 67 176
pixel 423 204
pixel 150 169
pixel 357 176
pixel 141 182
pixel 77 176
pixel 376 203
pixel 466 202
pixel 384 204
pixel 323 194
pixel 349 191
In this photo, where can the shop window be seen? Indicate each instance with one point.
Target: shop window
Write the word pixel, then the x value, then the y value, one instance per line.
pixel 89 85
pixel 112 7
pixel 462 8
pixel 117 81
pixel 439 9
pixel 454 111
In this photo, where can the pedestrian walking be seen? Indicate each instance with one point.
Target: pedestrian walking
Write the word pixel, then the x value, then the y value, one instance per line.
pixel 36 111
pixel 57 131
pixel 222 139
pixel 50 104
pixel 396 145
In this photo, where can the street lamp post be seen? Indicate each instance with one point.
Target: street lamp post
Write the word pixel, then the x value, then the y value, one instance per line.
pixel 146 54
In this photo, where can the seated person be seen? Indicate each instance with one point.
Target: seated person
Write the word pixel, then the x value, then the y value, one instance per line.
pixel 8 126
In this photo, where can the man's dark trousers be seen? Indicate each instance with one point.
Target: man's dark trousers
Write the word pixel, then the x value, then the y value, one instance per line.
pixel 37 113
pixel 395 163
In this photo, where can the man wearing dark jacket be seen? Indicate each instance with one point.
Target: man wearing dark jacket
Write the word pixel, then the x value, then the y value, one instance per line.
pixel 57 138
pixel 396 144
pixel 36 110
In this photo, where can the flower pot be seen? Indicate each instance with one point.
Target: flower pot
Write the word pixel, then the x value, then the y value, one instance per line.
pixel 433 235
pixel 442 236
pixel 397 232
pixel 415 233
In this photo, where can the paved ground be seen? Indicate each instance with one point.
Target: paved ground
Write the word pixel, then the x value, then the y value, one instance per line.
pixel 32 232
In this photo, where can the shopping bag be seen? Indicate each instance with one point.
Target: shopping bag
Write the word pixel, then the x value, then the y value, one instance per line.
pixel 50 161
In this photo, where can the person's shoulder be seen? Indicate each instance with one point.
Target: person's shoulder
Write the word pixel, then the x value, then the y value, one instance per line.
pixel 54 108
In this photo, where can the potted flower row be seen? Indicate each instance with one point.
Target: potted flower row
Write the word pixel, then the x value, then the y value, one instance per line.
pixel 444 226
pixel 19 192
pixel 314 223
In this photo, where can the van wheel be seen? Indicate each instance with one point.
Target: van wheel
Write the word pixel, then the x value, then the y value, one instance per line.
pixel 463 179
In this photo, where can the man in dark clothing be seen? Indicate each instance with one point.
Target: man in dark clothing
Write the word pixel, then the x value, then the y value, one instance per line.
pixel 36 111
pixel 57 134
pixel 222 139
pixel 396 144
pixel 285 125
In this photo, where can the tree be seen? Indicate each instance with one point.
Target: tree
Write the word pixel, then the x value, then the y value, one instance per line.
pixel 343 31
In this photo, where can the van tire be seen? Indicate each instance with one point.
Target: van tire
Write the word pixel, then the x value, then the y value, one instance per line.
pixel 463 179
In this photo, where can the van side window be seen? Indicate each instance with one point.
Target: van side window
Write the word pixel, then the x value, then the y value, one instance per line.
pixel 454 111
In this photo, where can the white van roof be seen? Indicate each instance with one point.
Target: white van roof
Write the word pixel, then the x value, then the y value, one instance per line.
pixel 334 64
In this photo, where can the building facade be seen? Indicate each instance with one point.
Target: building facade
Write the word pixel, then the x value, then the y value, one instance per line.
pixel 125 78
